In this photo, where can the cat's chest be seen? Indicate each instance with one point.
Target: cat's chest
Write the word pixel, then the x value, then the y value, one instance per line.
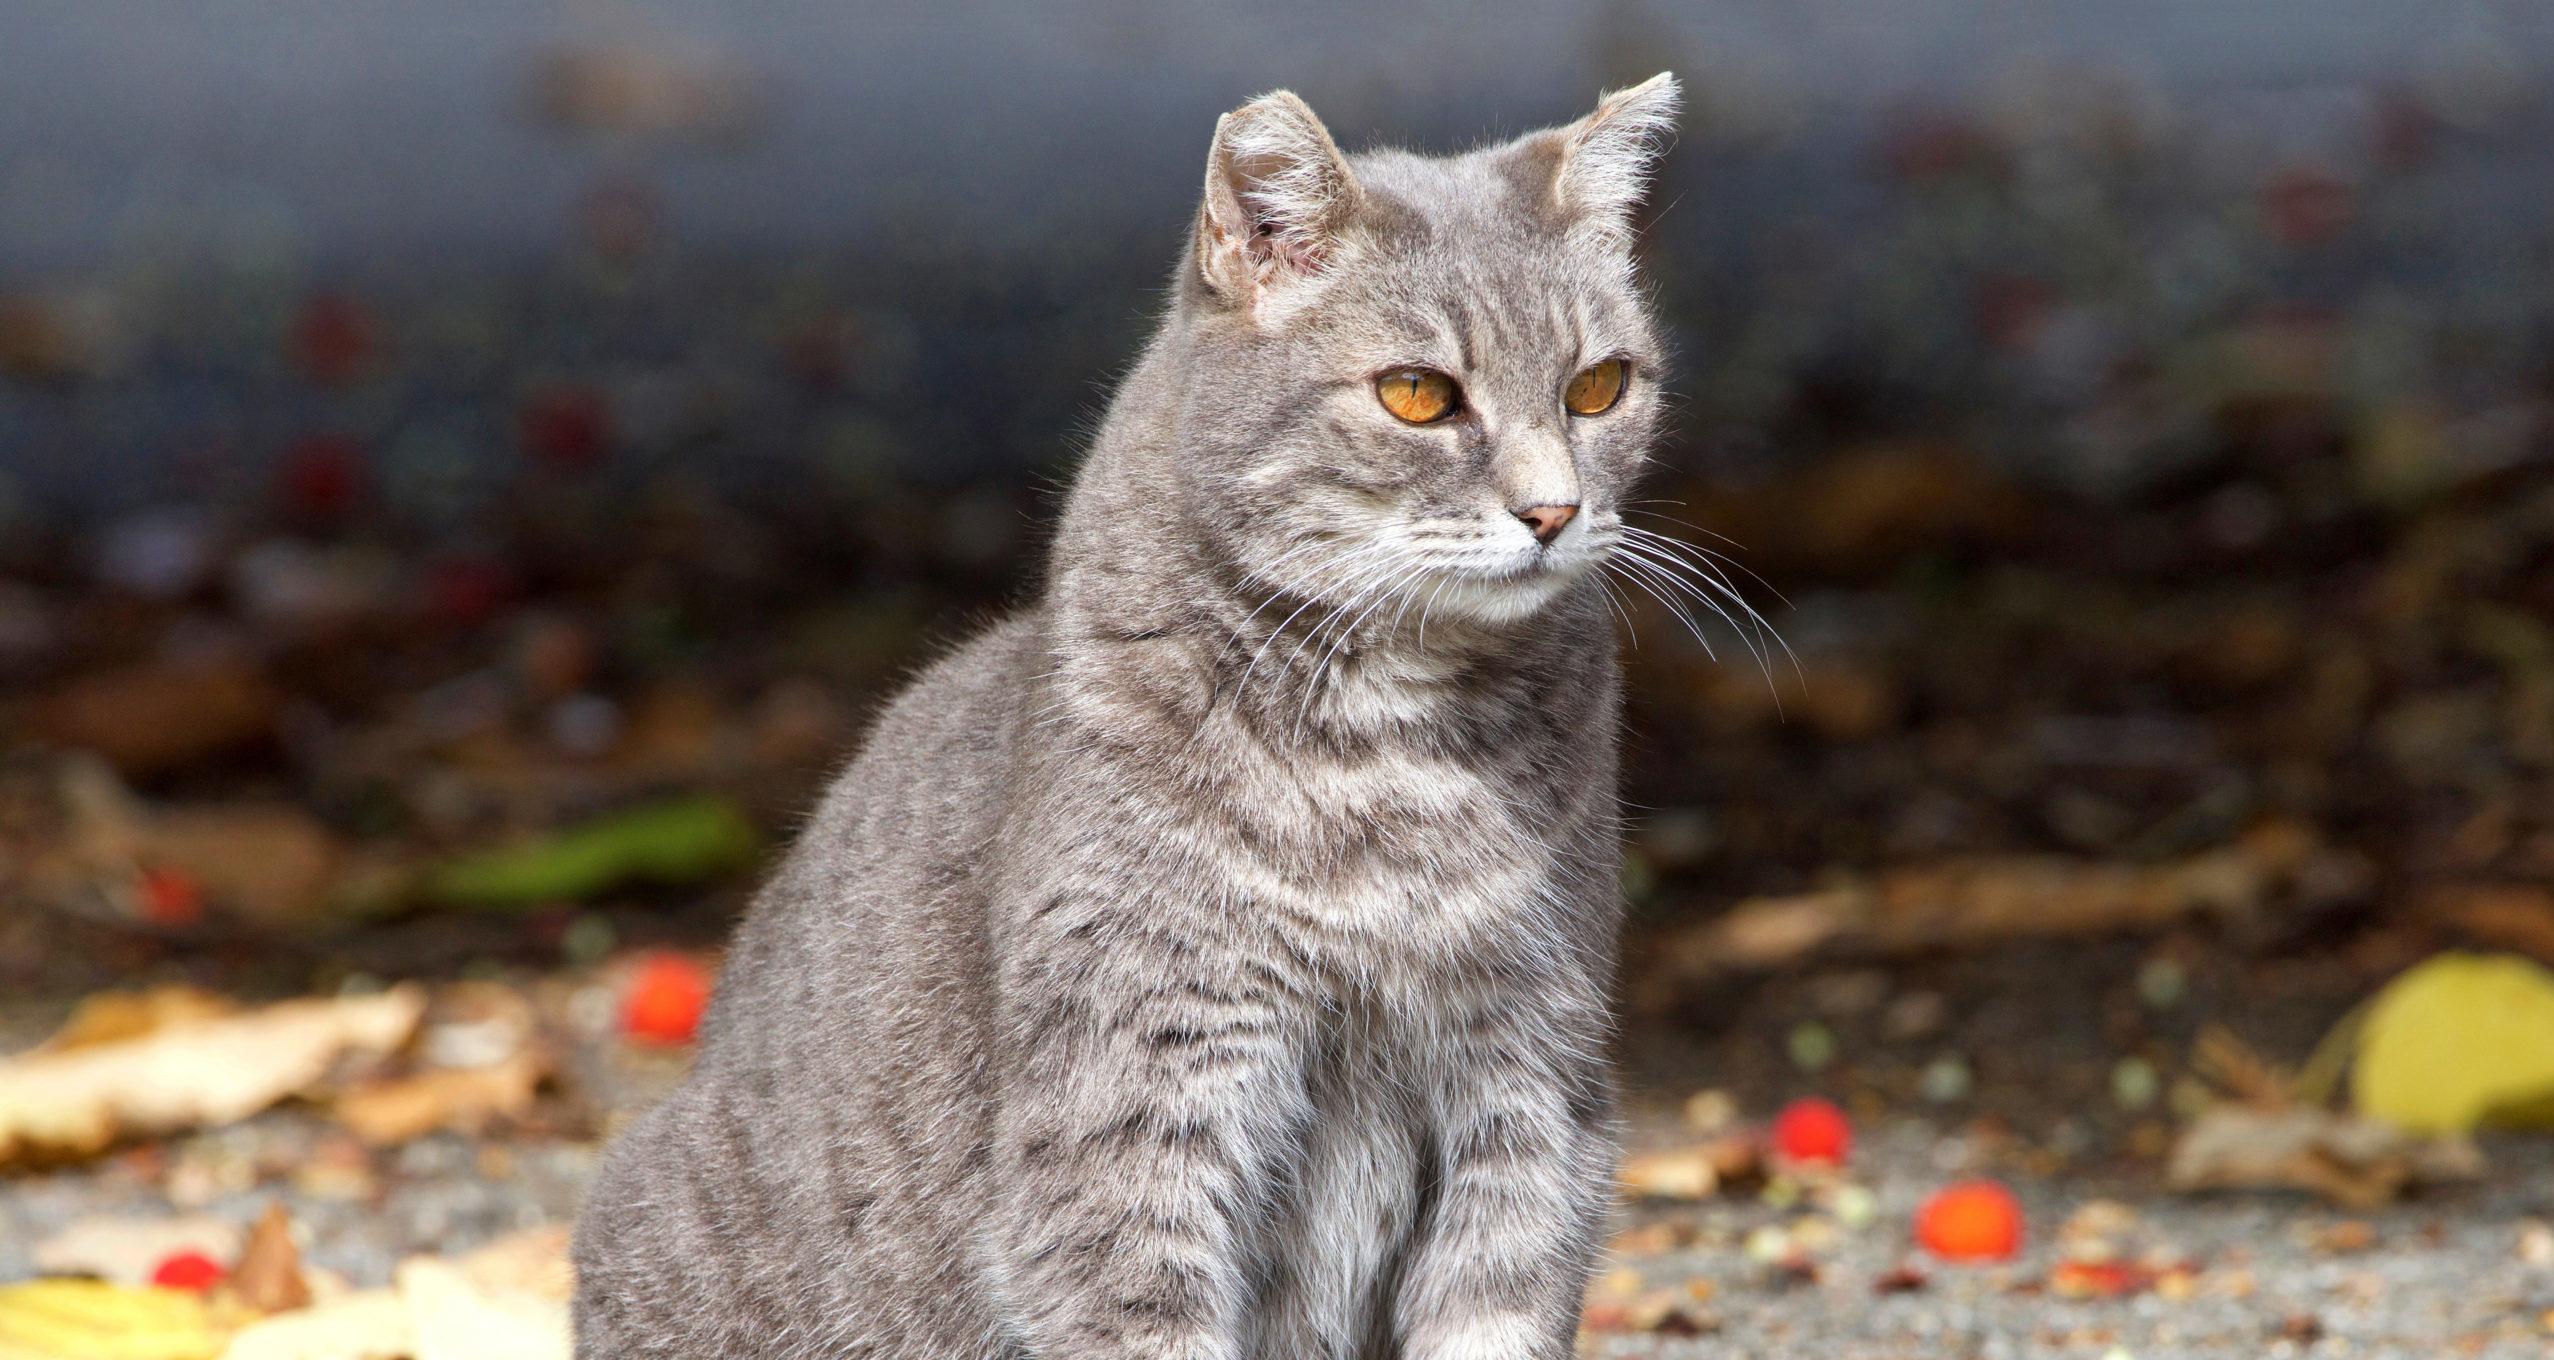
pixel 1395 843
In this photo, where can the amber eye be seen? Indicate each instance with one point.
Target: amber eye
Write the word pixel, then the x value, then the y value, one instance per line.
pixel 1596 388
pixel 1418 395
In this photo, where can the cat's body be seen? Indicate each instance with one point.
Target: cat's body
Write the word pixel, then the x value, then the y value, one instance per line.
pixel 1205 963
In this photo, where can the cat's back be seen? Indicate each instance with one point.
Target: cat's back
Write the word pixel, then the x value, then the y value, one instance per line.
pixel 827 1133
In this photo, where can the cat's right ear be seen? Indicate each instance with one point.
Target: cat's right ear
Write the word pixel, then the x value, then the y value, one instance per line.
pixel 1278 202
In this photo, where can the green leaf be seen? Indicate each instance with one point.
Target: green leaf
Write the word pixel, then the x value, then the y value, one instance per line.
pixel 674 843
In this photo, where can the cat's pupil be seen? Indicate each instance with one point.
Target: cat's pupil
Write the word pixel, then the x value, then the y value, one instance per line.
pixel 1419 396
pixel 1596 388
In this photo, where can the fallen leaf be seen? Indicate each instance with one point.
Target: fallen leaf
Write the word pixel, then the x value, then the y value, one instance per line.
pixel 673 843
pixel 458 1318
pixel 268 863
pixel 95 1320
pixel 1684 1174
pixel 465 1099
pixel 83 842
pixel 156 716
pixel 2516 916
pixel 211 1072
pixel 1969 901
pixel 370 1325
pixel 126 1250
pixel 111 1017
pixel 534 1261
pixel 1696 1172
pixel 269 1274
pixel 2356 1162
pixel 2457 1042
pixel 2099 1279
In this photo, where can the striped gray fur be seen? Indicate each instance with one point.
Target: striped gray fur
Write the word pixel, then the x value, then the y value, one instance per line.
pixel 1212 961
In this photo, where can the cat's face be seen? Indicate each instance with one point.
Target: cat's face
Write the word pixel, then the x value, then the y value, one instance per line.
pixel 1420 387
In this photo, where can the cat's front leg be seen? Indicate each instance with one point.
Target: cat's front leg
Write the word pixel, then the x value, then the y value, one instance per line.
pixel 1525 1154
pixel 1138 1112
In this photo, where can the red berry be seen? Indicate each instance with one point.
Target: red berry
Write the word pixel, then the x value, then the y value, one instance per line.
pixel 462 591
pixel 664 1000
pixel 323 474
pixel 187 1268
pixel 2306 207
pixel 334 339
pixel 170 898
pixel 1971 1221
pixel 1813 1131
pixel 564 426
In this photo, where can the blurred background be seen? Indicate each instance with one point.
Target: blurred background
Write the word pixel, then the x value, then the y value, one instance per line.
pixel 467 470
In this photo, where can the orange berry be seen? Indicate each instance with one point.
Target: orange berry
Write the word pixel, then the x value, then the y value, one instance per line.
pixel 1971 1221
pixel 1813 1131
pixel 187 1269
pixel 664 1000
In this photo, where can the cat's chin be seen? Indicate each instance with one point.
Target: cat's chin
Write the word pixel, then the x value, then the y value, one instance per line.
pixel 1503 597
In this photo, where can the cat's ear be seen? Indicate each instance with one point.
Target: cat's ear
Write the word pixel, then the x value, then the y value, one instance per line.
pixel 1605 158
pixel 1278 199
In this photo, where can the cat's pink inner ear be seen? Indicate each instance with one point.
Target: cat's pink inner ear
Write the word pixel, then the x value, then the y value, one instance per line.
pixel 1278 196
pixel 1606 157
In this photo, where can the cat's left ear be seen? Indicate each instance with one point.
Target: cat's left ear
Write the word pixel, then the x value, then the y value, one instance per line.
pixel 1278 201
pixel 1605 158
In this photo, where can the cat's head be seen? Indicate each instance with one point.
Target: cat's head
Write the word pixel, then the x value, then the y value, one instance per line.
pixel 1415 379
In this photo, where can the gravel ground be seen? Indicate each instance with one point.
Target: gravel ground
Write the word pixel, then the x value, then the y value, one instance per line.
pixel 2268 1275
pixel 2462 1271
pixel 2441 1275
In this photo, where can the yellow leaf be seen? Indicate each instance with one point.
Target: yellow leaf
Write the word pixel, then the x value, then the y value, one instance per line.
pixel 93 1320
pixel 2458 1041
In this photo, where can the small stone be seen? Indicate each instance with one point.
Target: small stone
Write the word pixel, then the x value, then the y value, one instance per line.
pixel 1769 1245
pixel 1812 1046
pixel 1854 1206
pixel 2135 1084
pixel 2162 983
pixel 588 939
pixel 1946 1079
pixel 1710 1111
pixel 2536 1244
pixel 1914 1016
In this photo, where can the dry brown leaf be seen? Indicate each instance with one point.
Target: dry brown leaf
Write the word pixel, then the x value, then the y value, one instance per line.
pixel 269 863
pixel 79 840
pixel 1969 901
pixel 2355 1162
pixel 209 1072
pixel 467 1099
pixel 1683 1174
pixel 111 1017
pixel 2516 916
pixel 2218 1056
pixel 506 1301
pixel 155 716
pixel 269 1277
pixel 1696 1172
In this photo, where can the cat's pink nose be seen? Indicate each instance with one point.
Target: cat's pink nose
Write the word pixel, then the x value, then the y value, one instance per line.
pixel 1546 520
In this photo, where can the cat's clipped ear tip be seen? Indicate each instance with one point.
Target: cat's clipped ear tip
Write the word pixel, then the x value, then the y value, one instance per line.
pixel 1653 100
pixel 1280 103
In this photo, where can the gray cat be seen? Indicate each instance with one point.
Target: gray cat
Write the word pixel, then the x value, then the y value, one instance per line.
pixel 1212 960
